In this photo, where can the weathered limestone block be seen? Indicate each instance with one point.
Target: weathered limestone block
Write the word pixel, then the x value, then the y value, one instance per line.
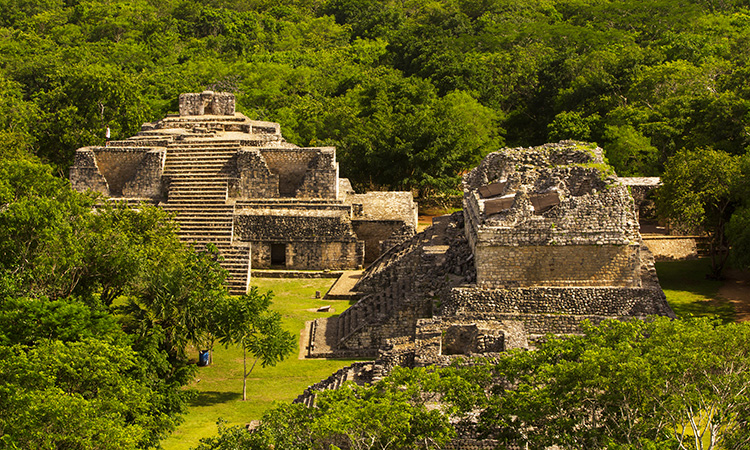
pixel 493 189
pixel 255 178
pixel 321 177
pixel 558 265
pixel 147 181
pixel 544 200
pixel 85 174
pixel 500 204
pixel 207 103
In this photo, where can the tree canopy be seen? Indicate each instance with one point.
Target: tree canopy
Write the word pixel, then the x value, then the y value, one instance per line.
pixel 411 92
pixel 97 304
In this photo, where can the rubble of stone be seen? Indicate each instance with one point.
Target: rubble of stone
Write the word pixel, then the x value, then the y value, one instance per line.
pixel 548 239
pixel 236 183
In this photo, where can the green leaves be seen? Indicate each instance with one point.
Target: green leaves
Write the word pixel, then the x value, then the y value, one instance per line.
pixel 76 395
pixel 629 385
pixel 698 192
pixel 246 321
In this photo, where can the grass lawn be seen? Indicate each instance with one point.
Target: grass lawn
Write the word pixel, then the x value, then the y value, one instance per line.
pixel 219 386
pixel 690 293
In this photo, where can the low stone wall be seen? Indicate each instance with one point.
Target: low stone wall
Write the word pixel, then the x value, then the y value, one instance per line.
pixel 286 225
pixel 259 273
pixel 671 248
pixel 601 301
pixel 377 205
pixel 310 255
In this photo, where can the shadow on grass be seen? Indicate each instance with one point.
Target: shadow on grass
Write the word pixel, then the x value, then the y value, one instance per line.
pixel 690 293
pixel 210 398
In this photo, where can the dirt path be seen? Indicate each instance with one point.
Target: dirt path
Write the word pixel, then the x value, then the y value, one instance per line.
pixel 736 289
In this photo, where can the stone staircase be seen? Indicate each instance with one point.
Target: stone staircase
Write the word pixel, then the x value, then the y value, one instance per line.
pixel 359 373
pixel 197 171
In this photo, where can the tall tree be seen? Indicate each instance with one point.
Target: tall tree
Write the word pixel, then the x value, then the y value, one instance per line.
pixel 247 321
pixel 698 193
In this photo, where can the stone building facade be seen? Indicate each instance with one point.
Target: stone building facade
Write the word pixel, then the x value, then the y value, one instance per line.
pixel 237 183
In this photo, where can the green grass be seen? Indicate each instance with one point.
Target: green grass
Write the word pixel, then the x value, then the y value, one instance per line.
pixel 219 386
pixel 690 293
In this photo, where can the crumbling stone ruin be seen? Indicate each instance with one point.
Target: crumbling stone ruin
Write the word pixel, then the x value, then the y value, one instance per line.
pixel 237 183
pixel 547 239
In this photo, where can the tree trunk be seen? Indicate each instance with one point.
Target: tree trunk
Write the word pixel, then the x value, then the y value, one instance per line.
pixel 244 373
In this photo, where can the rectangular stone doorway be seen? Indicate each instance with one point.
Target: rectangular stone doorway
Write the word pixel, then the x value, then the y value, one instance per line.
pixel 278 255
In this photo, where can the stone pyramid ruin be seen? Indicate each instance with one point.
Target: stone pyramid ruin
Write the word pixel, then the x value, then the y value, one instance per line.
pixel 237 184
pixel 548 238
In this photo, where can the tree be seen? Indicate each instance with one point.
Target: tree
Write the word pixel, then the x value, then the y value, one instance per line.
pixel 656 384
pixel 630 152
pixel 78 395
pixel 108 290
pixel 247 321
pixel 698 195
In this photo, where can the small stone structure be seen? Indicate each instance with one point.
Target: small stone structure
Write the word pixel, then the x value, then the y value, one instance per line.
pixel 548 239
pixel 236 183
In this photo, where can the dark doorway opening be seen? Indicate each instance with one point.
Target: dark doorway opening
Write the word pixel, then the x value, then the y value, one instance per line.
pixel 278 255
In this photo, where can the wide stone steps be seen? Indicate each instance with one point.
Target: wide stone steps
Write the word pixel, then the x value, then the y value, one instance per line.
pixel 198 180
pixel 198 190
pixel 186 189
pixel 198 157
pixel 202 229
pixel 182 205
pixel 194 166
pixel 196 196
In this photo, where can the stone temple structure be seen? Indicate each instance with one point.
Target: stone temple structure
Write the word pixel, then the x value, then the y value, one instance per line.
pixel 236 183
pixel 547 239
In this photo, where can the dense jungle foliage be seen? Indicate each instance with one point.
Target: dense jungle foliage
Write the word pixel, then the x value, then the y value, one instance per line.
pixel 411 92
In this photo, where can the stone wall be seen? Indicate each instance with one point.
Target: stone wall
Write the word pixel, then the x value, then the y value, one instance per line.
pixel 85 174
pixel 557 265
pixel 609 301
pixel 376 232
pixel 303 172
pixel 552 215
pixel 311 238
pixel 276 224
pixel 310 255
pixel 147 180
pixel 671 248
pixel 120 171
pixel 254 179
pixel 385 206
pixel 441 340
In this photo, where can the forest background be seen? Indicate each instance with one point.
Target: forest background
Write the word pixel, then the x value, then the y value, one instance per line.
pixel 410 92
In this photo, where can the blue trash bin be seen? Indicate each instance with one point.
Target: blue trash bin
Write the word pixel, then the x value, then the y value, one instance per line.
pixel 203 357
